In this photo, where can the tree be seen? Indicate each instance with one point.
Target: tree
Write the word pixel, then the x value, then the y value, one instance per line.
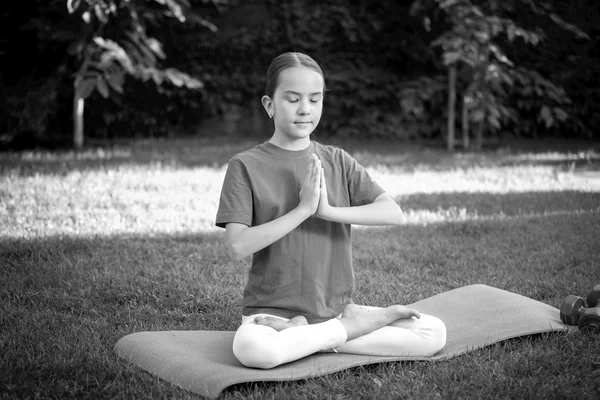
pixel 472 41
pixel 112 41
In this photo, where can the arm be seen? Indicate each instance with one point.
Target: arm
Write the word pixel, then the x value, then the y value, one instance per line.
pixel 243 240
pixel 382 211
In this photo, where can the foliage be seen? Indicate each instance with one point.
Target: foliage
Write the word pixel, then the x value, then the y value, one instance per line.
pixel 367 50
pixel 115 42
pixel 104 61
pixel 27 108
pixel 474 40
pixel 378 61
pixel 97 43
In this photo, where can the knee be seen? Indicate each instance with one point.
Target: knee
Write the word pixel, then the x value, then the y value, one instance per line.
pixel 254 346
pixel 438 333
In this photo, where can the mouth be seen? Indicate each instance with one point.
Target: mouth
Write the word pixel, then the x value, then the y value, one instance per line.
pixel 303 122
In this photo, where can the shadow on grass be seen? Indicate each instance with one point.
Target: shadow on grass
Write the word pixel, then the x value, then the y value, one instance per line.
pixel 167 270
pixel 188 152
pixel 65 301
pixel 176 276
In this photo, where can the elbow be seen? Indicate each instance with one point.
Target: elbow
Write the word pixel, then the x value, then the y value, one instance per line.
pixel 394 213
pixel 390 210
pixel 237 242
pixel 398 216
pixel 236 251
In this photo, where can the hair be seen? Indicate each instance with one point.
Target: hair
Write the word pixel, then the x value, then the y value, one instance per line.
pixel 289 60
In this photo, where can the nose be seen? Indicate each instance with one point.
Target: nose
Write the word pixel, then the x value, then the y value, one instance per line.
pixel 304 107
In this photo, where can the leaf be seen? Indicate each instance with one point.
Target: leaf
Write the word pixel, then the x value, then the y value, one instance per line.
pixel 510 32
pixel 100 14
pixel 73 5
pixel 427 24
pixel 144 53
pixel 86 17
pixel 493 122
pixel 477 115
pixel 86 87
pixel 560 114
pixel 546 116
pixel 500 55
pixel 156 47
pixel 102 87
pixel 116 52
pixel 569 27
pixel 451 57
pixel 193 83
pixel 174 76
pixel 196 19
pixel 156 76
pixel 115 81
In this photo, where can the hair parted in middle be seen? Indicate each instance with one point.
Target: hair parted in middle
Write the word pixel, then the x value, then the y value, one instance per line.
pixel 289 60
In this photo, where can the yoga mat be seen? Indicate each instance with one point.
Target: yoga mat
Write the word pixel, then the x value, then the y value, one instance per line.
pixel 203 362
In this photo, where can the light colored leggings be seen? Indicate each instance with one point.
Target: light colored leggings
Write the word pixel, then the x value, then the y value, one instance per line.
pixel 260 346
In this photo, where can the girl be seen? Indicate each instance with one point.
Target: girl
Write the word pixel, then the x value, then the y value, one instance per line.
pixel 290 203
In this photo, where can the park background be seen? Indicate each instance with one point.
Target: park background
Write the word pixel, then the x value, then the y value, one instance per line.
pixel 117 120
pixel 148 69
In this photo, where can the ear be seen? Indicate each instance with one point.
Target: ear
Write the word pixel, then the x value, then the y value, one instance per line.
pixel 268 105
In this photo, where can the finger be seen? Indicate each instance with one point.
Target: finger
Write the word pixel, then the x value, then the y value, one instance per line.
pixel 316 170
pixel 323 178
pixel 312 163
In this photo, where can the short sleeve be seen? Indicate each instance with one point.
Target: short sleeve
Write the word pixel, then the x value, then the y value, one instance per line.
pixel 235 203
pixel 361 187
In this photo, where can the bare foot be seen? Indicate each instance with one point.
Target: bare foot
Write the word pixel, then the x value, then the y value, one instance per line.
pixel 360 321
pixel 279 324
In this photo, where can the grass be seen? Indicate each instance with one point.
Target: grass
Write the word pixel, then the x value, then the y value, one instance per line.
pixel 114 240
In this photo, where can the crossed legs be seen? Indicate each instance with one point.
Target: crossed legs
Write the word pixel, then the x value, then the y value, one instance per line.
pixel 264 341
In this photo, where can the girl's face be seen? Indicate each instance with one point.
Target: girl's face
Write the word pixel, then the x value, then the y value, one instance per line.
pixel 297 103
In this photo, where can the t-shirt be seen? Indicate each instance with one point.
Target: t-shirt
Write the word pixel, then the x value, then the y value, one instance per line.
pixel 308 271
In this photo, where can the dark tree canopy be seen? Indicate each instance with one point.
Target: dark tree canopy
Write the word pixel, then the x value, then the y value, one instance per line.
pixel 385 69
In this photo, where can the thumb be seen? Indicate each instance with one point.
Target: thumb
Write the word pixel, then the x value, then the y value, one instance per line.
pixel 323 183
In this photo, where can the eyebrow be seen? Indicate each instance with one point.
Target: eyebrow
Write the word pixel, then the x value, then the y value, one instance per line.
pixel 299 94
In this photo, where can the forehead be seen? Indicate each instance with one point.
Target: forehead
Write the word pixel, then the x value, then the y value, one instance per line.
pixel 300 80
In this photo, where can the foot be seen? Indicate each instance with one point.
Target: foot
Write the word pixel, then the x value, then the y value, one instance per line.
pixel 360 321
pixel 279 324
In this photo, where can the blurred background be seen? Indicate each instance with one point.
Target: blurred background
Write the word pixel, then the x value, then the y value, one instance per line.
pixel 465 73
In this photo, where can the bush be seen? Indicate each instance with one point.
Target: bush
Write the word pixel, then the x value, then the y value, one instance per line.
pixel 27 108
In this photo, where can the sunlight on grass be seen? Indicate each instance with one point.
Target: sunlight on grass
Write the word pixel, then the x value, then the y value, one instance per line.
pixel 93 154
pixel 526 178
pixel 99 244
pixel 120 196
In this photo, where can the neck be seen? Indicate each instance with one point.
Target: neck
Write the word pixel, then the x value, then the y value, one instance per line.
pixel 290 143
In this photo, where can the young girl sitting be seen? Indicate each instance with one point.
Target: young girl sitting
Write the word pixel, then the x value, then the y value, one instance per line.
pixel 290 202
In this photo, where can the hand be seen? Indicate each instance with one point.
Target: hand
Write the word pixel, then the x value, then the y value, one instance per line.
pixel 311 189
pixel 324 207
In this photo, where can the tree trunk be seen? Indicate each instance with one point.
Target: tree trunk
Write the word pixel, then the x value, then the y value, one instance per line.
pixel 480 130
pixel 465 121
pixel 78 104
pixel 451 106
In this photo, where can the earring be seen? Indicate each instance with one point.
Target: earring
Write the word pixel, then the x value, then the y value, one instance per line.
pixel 270 115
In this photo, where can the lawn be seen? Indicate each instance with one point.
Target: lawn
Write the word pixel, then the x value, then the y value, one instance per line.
pixel 119 239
